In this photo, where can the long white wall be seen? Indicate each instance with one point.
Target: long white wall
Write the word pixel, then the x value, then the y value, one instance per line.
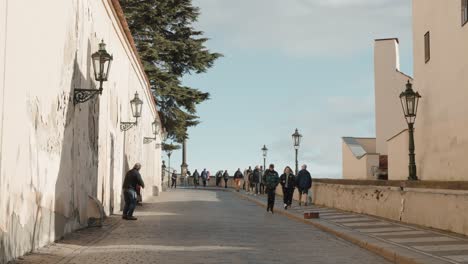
pixel 441 126
pixel 55 155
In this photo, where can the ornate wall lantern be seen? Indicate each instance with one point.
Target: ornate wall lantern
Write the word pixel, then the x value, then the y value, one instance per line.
pixel 136 106
pixel 101 67
pixel 156 128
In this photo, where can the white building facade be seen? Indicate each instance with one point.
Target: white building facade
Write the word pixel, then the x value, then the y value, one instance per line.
pixel 60 161
pixel 440 33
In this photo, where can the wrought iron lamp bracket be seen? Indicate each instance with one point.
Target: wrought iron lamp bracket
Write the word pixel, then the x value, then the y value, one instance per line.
pixel 147 140
pixel 83 95
pixel 124 126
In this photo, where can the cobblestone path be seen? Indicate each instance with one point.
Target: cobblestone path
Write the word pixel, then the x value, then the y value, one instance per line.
pixel 203 226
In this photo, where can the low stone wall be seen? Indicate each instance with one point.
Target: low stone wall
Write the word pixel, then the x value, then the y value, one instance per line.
pixel 440 205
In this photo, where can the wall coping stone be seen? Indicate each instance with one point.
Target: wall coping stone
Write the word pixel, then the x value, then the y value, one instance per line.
pixel 445 185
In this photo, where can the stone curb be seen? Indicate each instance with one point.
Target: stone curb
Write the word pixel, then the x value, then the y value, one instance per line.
pixel 394 253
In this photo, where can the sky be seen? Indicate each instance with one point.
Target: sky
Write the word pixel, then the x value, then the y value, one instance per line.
pixel 288 64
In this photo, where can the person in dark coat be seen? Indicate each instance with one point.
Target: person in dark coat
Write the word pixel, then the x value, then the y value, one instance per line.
pixel 204 177
pixel 304 183
pixel 238 176
pixel 196 176
pixel 226 178
pixel 288 182
pixel 174 180
pixel 131 180
pixel 271 181
pixel 255 179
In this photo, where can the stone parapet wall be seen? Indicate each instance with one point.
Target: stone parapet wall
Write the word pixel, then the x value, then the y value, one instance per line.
pixel 440 205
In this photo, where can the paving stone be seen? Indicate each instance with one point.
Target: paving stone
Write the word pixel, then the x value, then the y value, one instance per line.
pixel 206 227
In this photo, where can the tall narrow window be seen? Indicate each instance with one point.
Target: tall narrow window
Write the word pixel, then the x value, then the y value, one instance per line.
pixel 464 11
pixel 427 46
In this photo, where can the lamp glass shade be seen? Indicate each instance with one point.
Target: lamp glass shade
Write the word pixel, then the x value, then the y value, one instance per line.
pixel 136 103
pixel 101 63
pixel 155 126
pixel 265 151
pixel 409 103
pixel 296 139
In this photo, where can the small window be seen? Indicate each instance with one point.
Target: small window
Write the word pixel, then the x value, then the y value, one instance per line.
pixel 464 13
pixel 427 46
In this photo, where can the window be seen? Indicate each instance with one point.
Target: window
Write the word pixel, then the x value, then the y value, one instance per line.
pixel 427 46
pixel 464 13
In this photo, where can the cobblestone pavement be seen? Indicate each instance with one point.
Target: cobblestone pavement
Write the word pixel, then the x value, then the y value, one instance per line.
pixel 202 226
pixel 436 246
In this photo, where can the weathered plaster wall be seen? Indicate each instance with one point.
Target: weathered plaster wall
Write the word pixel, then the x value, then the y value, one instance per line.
pixel 441 127
pixel 389 83
pixel 398 158
pixel 55 155
pixel 420 206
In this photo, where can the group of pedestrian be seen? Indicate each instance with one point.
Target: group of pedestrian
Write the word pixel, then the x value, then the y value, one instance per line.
pixel 204 176
pixel 289 182
pixel 254 181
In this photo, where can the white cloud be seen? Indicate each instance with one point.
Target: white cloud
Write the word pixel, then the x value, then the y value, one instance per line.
pixel 305 27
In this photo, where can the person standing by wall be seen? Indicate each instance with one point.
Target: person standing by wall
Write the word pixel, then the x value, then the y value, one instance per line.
pixel 174 180
pixel 288 182
pixel 226 178
pixel 271 181
pixel 304 183
pixel 238 176
pixel 131 180
pixel 196 176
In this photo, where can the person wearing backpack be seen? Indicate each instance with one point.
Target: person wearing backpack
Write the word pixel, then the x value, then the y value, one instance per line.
pixel 304 183
pixel 271 182
pixel 238 176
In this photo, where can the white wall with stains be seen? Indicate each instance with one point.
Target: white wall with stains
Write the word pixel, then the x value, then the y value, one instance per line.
pixel 56 155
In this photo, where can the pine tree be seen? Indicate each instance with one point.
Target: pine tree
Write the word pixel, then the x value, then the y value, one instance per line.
pixel 170 47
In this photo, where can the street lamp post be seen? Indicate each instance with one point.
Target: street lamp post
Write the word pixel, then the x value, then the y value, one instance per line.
pixel 409 102
pixel 265 151
pixel 296 141
pixel 169 153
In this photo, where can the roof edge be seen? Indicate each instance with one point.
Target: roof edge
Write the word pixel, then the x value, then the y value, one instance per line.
pixel 384 39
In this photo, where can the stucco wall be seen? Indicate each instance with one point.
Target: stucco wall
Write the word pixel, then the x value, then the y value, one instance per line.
pixel 442 131
pixel 354 168
pixel 398 158
pixel 389 83
pixel 420 206
pixel 55 155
